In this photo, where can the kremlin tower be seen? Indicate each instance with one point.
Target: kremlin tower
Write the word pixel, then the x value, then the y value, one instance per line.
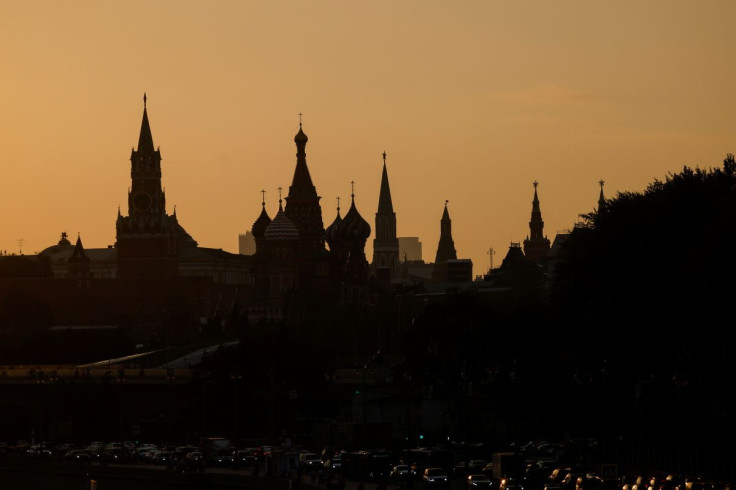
pixel 536 245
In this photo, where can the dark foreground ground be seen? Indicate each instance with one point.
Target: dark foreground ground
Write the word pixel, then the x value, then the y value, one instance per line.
pixel 17 474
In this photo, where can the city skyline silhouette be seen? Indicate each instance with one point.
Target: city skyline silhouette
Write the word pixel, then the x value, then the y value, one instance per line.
pixel 471 105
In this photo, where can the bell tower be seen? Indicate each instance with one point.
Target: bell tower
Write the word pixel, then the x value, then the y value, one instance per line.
pixel 146 237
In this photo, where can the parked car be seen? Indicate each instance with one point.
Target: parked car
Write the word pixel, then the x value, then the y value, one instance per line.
pixel 310 461
pixel 435 478
pixel 556 477
pixel 589 481
pixel 78 456
pixel 510 484
pixel 401 472
pixel 246 457
pixel 479 481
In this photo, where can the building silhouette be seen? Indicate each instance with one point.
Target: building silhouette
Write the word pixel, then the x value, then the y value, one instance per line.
pixel 246 243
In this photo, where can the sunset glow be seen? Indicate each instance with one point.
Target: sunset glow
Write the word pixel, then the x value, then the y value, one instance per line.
pixel 472 102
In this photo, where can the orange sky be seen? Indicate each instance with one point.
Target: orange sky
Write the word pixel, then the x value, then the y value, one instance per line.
pixel 473 101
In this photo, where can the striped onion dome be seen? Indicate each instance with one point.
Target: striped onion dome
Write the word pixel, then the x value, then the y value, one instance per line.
pixel 281 228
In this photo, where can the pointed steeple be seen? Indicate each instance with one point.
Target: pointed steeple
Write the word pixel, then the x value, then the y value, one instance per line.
pixel 78 252
pixel 601 198
pixel 446 222
pixel 446 247
pixel 145 140
pixel 384 198
pixel 536 245
pixel 79 265
pixel 385 244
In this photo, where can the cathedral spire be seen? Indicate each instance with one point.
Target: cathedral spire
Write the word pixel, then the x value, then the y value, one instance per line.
pixel 601 198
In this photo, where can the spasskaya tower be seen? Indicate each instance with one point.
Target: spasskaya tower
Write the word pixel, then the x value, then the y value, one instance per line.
pixel 146 238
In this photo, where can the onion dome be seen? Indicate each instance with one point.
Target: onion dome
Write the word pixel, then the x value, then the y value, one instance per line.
pixel 300 138
pixel 353 225
pixel 259 226
pixel 331 231
pixel 281 228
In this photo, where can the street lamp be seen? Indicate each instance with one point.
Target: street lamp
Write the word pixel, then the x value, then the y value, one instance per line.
pixel 170 377
pixel 235 378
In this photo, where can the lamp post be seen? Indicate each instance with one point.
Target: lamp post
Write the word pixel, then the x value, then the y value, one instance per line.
pixel 604 438
pixel 514 376
pixel 170 377
pixel 330 378
pixel 119 380
pixel 407 390
pixel 235 378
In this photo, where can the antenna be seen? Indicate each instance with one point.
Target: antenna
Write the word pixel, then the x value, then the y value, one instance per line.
pixel 491 253
pixel 20 246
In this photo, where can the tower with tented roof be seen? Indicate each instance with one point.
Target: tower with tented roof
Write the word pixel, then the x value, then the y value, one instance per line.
pixel 385 243
pixel 536 244
pixel 147 237
pixel 445 248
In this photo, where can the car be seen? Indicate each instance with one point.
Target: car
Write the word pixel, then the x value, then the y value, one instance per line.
pixel 246 457
pixel 435 478
pixel 510 484
pixel 78 456
pixel 401 472
pixel 223 458
pixel 479 481
pixel 334 464
pixel 310 461
pixel 589 481
pixel 556 477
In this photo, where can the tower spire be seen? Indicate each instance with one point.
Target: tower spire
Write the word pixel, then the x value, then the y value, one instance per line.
pixel 385 205
pixel 601 198
pixel 145 139
pixel 536 244
pixel 386 244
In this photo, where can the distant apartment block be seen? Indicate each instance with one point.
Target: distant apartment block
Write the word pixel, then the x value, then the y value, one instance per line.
pixel 246 243
pixel 411 247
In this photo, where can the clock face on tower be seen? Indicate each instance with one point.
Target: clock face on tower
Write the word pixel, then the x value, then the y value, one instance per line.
pixel 141 201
